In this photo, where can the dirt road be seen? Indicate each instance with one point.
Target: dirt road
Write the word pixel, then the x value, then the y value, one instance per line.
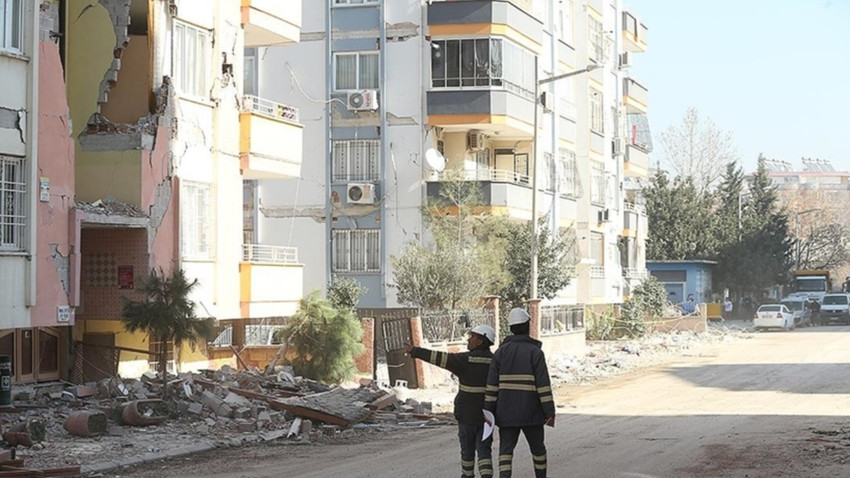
pixel 772 406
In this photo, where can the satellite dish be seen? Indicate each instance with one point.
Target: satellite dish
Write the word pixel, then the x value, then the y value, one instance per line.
pixel 435 160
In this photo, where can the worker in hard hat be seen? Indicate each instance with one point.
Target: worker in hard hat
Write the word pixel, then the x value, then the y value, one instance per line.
pixel 471 369
pixel 519 393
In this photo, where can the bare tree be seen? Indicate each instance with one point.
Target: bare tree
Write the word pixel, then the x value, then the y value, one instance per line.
pixel 820 234
pixel 696 148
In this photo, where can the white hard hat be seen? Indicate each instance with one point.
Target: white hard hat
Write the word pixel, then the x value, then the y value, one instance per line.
pixel 518 316
pixel 485 331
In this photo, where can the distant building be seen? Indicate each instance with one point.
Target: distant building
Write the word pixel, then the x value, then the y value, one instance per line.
pixel 683 278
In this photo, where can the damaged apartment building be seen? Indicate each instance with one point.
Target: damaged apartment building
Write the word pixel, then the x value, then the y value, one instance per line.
pixel 126 142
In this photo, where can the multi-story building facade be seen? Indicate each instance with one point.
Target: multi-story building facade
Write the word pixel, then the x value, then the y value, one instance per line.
pixel 143 168
pixel 381 83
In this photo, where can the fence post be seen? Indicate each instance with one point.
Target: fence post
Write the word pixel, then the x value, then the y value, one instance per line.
pixel 417 341
pixel 534 312
pixel 491 303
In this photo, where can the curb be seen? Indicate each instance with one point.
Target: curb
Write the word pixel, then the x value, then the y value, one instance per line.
pixel 110 465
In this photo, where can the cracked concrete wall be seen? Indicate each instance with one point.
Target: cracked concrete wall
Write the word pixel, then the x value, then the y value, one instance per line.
pixel 56 248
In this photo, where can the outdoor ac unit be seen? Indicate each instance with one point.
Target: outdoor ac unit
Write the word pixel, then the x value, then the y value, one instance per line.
pixel 360 193
pixel 619 146
pixel 626 59
pixel 603 215
pixel 364 100
pixel 475 140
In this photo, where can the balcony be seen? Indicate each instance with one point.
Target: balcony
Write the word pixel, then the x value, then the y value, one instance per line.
pixel 271 280
pixel 271 22
pixel 502 192
pixel 634 33
pixel 637 162
pixel 635 96
pixel 270 144
pixel 632 224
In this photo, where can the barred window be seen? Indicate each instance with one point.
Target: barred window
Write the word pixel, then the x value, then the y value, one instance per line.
pixel 356 160
pixel 594 32
pixel 597 123
pixel 196 220
pixel 597 184
pixel 13 194
pixel 357 250
pixel 11 25
pixel 569 173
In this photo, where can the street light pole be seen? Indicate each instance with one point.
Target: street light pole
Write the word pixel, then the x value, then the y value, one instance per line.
pixel 534 192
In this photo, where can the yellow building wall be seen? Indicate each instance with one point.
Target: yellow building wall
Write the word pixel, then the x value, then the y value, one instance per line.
pixel 115 173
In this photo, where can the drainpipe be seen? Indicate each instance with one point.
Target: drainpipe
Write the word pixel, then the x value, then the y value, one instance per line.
pixel 382 108
pixel 328 149
pixel 31 139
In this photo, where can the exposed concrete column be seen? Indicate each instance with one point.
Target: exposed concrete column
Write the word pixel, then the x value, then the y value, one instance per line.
pixel 416 339
pixel 534 312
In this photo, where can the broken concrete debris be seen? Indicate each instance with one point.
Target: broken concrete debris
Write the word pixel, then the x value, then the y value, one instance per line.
pixel 225 407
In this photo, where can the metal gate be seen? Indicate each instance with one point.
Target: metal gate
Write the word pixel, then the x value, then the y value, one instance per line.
pixel 396 333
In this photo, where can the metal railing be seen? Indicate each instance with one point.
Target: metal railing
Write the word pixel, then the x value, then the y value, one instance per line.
pixel 633 273
pixel 635 208
pixel 495 175
pixel 271 109
pixel 453 325
pixel 557 319
pixel 597 272
pixel 270 254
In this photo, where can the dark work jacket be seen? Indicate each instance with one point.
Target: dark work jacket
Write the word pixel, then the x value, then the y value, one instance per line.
pixel 519 392
pixel 471 371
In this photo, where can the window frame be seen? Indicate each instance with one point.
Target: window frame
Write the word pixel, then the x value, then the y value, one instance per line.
pixel 369 157
pixel 357 64
pixel 196 231
pixel 12 34
pixel 371 250
pixel 598 184
pixel 13 204
pixel 511 57
pixel 201 73
pixel 355 3
pixel 597 113
pixel 595 39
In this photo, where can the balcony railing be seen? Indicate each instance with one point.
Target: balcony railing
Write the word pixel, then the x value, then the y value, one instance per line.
pixel 270 109
pixel 635 208
pixel 633 273
pixel 597 272
pixel 269 254
pixel 495 175
pixel 559 319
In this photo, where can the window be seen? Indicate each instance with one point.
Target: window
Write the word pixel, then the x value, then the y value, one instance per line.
pixel 249 73
pixel 356 160
pixel 597 249
pixel 594 32
pixel 11 25
pixel 13 193
pixel 569 173
pixel 356 71
pixel 156 347
pixel 565 20
pixel 482 62
pixel 355 2
pixel 597 184
pixel 597 124
pixel 196 227
pixel 548 178
pixel 482 161
pixel 191 58
pixel 356 250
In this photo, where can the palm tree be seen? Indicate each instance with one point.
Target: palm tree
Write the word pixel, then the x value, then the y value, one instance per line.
pixel 166 313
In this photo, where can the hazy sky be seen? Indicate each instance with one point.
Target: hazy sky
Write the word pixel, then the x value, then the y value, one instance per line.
pixel 775 73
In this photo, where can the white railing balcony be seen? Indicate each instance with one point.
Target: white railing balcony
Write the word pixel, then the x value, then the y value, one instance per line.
pixel 597 272
pixel 495 175
pixel 270 109
pixel 633 207
pixel 633 273
pixel 269 254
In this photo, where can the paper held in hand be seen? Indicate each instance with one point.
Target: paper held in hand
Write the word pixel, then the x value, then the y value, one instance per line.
pixel 489 420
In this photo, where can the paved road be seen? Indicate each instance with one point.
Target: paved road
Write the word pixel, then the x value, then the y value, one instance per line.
pixel 771 406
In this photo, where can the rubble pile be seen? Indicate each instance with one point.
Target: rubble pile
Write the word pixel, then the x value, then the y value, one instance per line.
pixel 61 424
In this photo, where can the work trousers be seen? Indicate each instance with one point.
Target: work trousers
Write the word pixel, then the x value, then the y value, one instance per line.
pixel 470 443
pixel 508 437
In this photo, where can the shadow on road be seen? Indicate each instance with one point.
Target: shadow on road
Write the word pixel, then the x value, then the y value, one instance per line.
pixel 809 378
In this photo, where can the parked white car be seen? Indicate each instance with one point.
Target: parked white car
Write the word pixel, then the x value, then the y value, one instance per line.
pixel 773 316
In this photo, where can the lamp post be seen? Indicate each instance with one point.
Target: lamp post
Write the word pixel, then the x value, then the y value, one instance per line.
pixel 534 191
pixel 797 233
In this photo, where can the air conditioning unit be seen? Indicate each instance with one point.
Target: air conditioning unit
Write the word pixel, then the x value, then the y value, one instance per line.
pixel 604 215
pixel 475 140
pixel 364 100
pixel 619 146
pixel 626 59
pixel 360 193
